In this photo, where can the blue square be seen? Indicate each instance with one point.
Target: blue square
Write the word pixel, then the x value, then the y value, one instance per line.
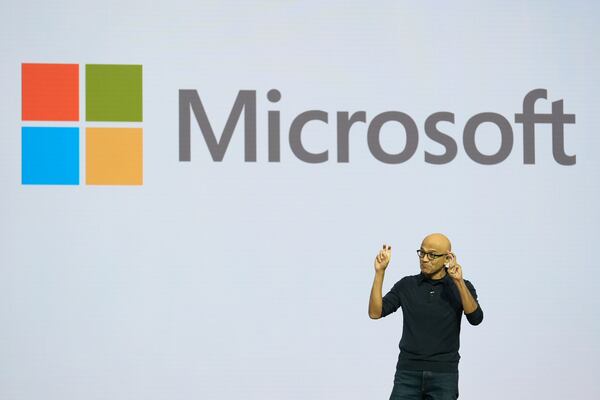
pixel 49 156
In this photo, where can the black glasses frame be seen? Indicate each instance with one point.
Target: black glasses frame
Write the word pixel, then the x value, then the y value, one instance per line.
pixel 432 256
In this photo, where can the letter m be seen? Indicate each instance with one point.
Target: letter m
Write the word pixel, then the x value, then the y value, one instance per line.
pixel 245 101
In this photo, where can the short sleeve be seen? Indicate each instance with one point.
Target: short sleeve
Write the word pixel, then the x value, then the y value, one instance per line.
pixel 476 316
pixel 391 301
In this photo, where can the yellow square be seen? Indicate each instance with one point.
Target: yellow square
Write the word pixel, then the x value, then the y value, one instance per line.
pixel 113 156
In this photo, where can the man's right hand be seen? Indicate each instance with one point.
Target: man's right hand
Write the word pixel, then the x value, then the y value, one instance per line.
pixel 383 258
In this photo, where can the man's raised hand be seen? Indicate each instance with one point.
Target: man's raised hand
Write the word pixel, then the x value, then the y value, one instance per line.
pixel 383 258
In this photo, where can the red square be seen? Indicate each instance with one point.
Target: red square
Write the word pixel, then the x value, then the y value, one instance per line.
pixel 50 92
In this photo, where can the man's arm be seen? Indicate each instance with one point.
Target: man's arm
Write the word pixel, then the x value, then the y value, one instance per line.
pixel 475 316
pixel 375 301
pixel 468 295
pixel 468 302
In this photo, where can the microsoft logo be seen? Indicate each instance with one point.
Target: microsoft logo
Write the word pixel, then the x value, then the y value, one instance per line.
pixel 50 135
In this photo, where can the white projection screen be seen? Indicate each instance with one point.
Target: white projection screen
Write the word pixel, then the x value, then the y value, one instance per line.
pixel 221 243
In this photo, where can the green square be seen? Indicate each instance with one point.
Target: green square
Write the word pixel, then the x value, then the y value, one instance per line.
pixel 113 92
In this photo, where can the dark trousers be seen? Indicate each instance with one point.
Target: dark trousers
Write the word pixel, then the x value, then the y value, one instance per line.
pixel 425 385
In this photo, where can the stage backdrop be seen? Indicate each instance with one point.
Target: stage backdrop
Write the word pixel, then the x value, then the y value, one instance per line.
pixel 193 194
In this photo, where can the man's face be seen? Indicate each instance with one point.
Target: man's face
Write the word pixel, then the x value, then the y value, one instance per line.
pixel 430 264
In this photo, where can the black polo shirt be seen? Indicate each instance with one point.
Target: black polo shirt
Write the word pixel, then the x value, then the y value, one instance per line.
pixel 432 312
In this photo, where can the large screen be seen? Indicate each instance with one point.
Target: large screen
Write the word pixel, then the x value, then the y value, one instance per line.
pixel 194 194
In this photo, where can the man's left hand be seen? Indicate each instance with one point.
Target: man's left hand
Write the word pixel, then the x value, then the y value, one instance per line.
pixel 454 268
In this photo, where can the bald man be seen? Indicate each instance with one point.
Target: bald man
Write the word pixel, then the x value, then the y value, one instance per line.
pixel 432 302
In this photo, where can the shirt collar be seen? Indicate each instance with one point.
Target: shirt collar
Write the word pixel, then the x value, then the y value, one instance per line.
pixel 422 277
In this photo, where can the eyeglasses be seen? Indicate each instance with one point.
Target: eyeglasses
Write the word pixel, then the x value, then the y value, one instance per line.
pixel 432 256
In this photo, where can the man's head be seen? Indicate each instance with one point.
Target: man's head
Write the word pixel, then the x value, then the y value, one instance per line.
pixel 437 247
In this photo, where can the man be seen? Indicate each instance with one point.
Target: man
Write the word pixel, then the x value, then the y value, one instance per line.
pixel 432 304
